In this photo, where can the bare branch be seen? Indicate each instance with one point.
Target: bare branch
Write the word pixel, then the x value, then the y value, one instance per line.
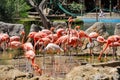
pixel 42 4
pixel 32 3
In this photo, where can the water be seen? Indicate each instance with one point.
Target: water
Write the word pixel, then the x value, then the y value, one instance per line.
pixel 62 66
pixel 105 20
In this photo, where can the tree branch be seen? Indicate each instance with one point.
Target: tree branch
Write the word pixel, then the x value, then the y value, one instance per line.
pixel 42 4
pixel 31 2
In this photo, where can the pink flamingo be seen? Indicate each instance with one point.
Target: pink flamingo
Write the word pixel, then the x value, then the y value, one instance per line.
pixel 110 40
pixel 92 36
pixel 30 55
pixel 52 48
pixel 39 35
pixel 15 44
pixel 14 38
pixel 4 38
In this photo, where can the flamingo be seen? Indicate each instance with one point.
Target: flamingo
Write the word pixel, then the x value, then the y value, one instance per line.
pixel 27 46
pixel 43 42
pixel 92 36
pixel 30 55
pixel 110 40
pixel 4 38
pixel 47 31
pixel 30 52
pixel 52 48
pixel 60 32
pixel 14 38
pixel 31 35
pixel 15 44
pixel 70 21
pixel 114 46
pixel 101 39
pixel 39 35
pixel 63 41
pixel 37 68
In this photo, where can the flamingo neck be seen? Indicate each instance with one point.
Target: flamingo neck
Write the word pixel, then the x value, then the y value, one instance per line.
pixel 90 39
pixel 33 61
pixel 23 39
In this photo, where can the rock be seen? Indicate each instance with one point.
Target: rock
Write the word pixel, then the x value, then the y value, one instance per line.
pixel 117 29
pixel 11 29
pixel 8 72
pixel 35 28
pixel 88 72
pixel 98 27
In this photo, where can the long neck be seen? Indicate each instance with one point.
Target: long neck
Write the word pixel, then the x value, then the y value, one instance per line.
pixel 107 44
pixel 90 39
pixel 33 61
pixel 23 38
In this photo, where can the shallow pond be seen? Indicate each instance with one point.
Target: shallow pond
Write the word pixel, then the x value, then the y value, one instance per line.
pixel 61 66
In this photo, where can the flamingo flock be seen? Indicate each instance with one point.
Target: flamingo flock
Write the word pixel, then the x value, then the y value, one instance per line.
pixel 50 41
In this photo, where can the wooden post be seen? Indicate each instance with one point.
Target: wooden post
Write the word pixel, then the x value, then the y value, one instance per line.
pixel 110 7
pixel 96 5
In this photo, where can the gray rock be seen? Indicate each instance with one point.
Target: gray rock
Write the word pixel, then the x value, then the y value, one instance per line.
pixel 93 73
pixel 11 29
pixel 8 72
pixel 117 29
pixel 35 28
pixel 98 27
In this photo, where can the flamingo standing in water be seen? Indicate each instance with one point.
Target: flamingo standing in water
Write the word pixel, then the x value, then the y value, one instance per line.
pixel 52 48
pixel 110 41
pixel 30 53
pixel 92 36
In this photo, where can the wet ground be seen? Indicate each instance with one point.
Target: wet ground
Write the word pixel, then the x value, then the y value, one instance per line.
pixel 53 65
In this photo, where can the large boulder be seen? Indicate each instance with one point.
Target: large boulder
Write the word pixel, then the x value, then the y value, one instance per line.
pixel 8 72
pixel 100 28
pixel 11 29
pixel 88 72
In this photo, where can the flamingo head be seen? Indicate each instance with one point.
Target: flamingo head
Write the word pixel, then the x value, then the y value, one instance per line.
pixel 52 29
pixel 101 39
pixel 77 27
pixel 70 19
pixel 22 32
pixel 31 34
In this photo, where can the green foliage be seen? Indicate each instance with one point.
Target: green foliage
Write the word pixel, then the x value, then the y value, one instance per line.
pixel 20 8
pixel 10 9
pixel 76 7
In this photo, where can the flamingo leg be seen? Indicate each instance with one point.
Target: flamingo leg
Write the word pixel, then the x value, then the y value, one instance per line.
pixel 99 58
pixel 44 70
pixel 114 53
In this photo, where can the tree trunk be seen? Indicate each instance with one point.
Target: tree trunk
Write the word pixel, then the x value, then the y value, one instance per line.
pixel 39 8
